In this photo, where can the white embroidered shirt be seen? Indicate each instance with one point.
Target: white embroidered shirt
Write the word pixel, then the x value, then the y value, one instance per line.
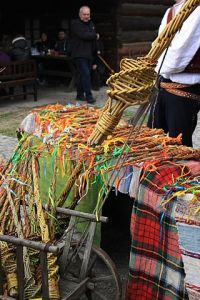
pixel 182 49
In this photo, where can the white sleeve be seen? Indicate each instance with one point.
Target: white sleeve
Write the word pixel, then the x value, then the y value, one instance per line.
pixel 184 45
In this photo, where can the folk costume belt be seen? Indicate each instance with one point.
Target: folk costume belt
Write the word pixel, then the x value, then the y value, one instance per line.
pixel 176 89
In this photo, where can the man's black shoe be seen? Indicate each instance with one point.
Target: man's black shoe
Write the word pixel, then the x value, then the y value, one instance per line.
pixel 80 99
pixel 91 101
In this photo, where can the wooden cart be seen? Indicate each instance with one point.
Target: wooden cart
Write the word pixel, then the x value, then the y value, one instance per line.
pixel 86 271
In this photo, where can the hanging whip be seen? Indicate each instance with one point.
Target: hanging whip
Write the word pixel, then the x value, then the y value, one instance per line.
pixel 106 64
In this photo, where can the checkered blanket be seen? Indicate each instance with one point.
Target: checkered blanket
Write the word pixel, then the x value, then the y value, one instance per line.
pixel 156 266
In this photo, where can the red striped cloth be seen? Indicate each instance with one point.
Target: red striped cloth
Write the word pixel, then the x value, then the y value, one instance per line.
pixel 156 269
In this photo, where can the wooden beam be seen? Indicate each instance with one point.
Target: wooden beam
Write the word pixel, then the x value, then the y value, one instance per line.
pixel 132 9
pixel 80 214
pixel 132 49
pixel 138 23
pixel 30 244
pixel 137 36
pixel 164 2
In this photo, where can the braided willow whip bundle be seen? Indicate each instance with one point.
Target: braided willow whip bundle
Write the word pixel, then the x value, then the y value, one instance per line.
pixel 51 259
pixel 133 84
pixel 70 182
pixel 8 209
pixel 9 264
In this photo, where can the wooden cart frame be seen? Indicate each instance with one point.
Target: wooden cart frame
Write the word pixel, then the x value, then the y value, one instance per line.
pixel 86 283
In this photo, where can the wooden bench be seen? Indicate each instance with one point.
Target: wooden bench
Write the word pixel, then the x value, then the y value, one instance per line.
pixel 18 74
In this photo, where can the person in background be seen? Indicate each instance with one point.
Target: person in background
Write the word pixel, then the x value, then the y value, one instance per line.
pixel 4 58
pixel 20 49
pixel 43 45
pixel 61 45
pixel 82 46
pixel 176 107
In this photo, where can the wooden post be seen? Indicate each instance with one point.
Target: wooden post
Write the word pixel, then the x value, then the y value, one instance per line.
pixel 44 270
pixel 20 272
pixel 67 245
pixel 1 278
pixel 87 251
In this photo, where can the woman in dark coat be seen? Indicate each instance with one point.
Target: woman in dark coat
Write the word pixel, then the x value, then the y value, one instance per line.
pixel 20 49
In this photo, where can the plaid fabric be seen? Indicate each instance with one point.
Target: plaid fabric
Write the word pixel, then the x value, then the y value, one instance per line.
pixel 156 269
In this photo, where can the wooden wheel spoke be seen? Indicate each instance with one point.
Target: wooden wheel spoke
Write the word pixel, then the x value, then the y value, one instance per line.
pixel 99 295
pixel 92 263
pixel 102 278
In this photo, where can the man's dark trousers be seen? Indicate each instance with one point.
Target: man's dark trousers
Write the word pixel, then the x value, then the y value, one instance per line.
pixel 84 66
pixel 175 114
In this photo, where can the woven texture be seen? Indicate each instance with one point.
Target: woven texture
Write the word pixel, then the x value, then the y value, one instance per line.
pixel 133 84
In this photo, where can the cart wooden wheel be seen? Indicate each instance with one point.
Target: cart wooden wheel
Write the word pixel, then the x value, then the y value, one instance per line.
pixel 102 281
pixel 105 282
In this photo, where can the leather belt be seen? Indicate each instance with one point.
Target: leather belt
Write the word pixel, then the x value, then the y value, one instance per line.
pixel 176 89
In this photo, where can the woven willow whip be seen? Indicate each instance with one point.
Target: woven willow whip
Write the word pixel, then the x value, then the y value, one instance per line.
pixel 134 83
pixel 51 259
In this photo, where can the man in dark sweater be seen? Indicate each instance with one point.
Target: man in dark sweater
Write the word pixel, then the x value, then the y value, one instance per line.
pixel 61 44
pixel 82 46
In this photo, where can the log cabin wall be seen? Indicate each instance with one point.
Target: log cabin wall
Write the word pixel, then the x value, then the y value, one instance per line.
pixel 105 23
pixel 137 25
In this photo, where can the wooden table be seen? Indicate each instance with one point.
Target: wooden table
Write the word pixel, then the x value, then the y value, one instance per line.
pixel 58 66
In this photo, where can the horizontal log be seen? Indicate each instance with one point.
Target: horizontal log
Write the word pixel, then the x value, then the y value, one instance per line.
pixel 132 49
pixel 137 36
pixel 163 2
pixel 138 23
pixel 132 9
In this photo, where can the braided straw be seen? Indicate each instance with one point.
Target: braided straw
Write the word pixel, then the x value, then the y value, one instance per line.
pixel 133 84
pixel 53 269
pixel 70 182
pixel 53 277
pixel 9 264
pixel 42 222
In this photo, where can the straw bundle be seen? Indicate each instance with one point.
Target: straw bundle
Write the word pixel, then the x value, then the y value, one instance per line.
pixel 134 83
